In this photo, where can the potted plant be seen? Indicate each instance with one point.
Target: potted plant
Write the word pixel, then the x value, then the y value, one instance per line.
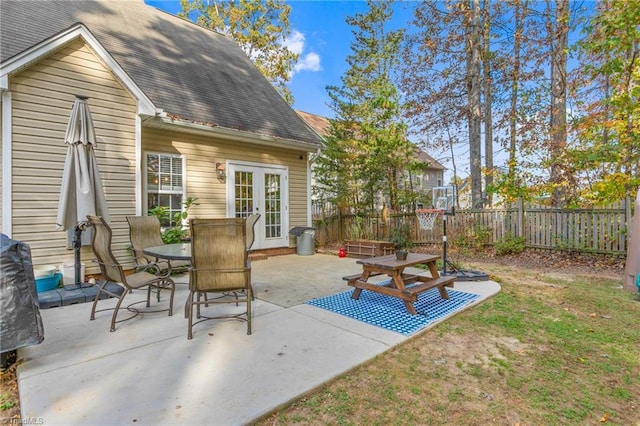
pixel 400 237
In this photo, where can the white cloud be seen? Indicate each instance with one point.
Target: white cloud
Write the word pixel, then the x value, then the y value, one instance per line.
pixel 308 62
pixel 295 42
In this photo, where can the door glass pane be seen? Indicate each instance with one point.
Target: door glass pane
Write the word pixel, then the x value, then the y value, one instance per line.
pixel 272 196
pixel 243 193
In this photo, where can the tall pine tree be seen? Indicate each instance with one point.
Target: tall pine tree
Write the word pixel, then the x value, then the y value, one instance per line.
pixel 367 151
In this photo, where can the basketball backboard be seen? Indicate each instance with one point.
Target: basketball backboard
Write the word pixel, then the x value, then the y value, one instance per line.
pixel 444 198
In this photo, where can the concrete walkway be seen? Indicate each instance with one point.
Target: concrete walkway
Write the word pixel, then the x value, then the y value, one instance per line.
pixel 148 373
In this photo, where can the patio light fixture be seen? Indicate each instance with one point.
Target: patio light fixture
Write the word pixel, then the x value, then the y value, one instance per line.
pixel 220 173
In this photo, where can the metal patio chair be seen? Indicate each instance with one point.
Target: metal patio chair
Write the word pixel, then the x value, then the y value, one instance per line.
pixel 112 271
pixel 250 223
pixel 218 265
pixel 144 231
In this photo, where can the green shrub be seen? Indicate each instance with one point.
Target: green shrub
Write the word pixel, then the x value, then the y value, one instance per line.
pixel 176 233
pixel 510 245
pixel 474 238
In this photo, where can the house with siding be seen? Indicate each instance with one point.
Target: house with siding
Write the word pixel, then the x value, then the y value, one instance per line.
pixel 179 111
pixel 428 177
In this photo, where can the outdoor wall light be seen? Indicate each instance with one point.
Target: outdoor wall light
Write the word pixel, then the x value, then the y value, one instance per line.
pixel 220 172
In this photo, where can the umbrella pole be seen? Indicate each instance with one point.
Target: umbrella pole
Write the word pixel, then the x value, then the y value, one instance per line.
pixel 77 242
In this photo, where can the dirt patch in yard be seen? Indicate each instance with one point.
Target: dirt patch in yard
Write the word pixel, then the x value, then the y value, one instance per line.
pixel 9 398
pixel 563 262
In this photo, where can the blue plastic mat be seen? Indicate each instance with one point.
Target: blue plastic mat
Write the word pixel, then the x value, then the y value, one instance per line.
pixel 390 313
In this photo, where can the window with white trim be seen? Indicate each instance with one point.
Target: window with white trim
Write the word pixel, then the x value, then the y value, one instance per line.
pixel 165 184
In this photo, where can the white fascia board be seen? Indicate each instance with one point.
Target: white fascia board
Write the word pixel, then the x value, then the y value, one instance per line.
pixel 138 167
pixel 309 192
pixel 145 106
pixel 7 169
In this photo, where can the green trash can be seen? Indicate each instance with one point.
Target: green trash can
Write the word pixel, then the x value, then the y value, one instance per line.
pixel 305 240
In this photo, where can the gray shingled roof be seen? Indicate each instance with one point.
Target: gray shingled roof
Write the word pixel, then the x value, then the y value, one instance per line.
pixel 188 71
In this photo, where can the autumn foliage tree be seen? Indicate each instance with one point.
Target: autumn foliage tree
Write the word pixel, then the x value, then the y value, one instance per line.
pixel 525 55
pixel 606 127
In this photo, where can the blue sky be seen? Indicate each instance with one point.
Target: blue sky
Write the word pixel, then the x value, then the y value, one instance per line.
pixel 322 38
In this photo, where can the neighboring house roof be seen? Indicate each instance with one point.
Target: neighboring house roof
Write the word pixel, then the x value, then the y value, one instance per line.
pixel 191 73
pixel 322 126
pixel 426 158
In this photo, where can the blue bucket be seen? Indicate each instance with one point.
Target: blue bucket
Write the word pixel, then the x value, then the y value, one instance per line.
pixel 48 283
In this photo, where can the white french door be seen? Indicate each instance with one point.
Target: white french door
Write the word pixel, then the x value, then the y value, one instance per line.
pixel 264 189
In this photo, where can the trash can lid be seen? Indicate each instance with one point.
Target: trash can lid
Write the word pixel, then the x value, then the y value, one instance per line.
pixel 298 230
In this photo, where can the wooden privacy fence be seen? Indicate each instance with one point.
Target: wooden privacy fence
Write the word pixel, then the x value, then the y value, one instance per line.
pixel 597 230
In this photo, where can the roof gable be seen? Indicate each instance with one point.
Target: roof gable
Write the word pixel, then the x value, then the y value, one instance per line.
pixel 426 158
pixel 191 73
pixel 36 52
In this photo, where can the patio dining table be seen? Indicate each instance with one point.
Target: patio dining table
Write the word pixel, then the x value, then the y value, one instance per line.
pixel 178 251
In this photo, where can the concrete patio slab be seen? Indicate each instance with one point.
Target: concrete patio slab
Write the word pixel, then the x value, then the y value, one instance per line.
pixel 307 277
pixel 147 372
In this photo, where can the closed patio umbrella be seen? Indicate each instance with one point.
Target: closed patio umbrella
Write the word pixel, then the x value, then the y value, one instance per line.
pixel 632 268
pixel 81 193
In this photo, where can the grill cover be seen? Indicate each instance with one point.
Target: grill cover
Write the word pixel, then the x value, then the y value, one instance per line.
pixel 20 320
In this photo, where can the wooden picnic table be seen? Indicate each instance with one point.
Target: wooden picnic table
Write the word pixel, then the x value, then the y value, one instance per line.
pixel 397 287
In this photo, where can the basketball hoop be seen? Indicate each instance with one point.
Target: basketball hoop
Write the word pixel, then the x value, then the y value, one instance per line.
pixel 427 217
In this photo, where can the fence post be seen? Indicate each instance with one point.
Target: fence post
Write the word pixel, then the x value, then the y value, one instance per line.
pixel 520 215
pixel 627 221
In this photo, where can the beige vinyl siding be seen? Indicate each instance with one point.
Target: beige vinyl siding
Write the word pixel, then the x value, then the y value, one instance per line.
pixel 43 95
pixel 201 154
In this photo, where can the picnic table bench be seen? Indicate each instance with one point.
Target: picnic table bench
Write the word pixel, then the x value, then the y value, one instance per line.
pixel 397 287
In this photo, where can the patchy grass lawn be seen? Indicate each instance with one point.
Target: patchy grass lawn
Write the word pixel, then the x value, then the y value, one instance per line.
pixel 551 348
